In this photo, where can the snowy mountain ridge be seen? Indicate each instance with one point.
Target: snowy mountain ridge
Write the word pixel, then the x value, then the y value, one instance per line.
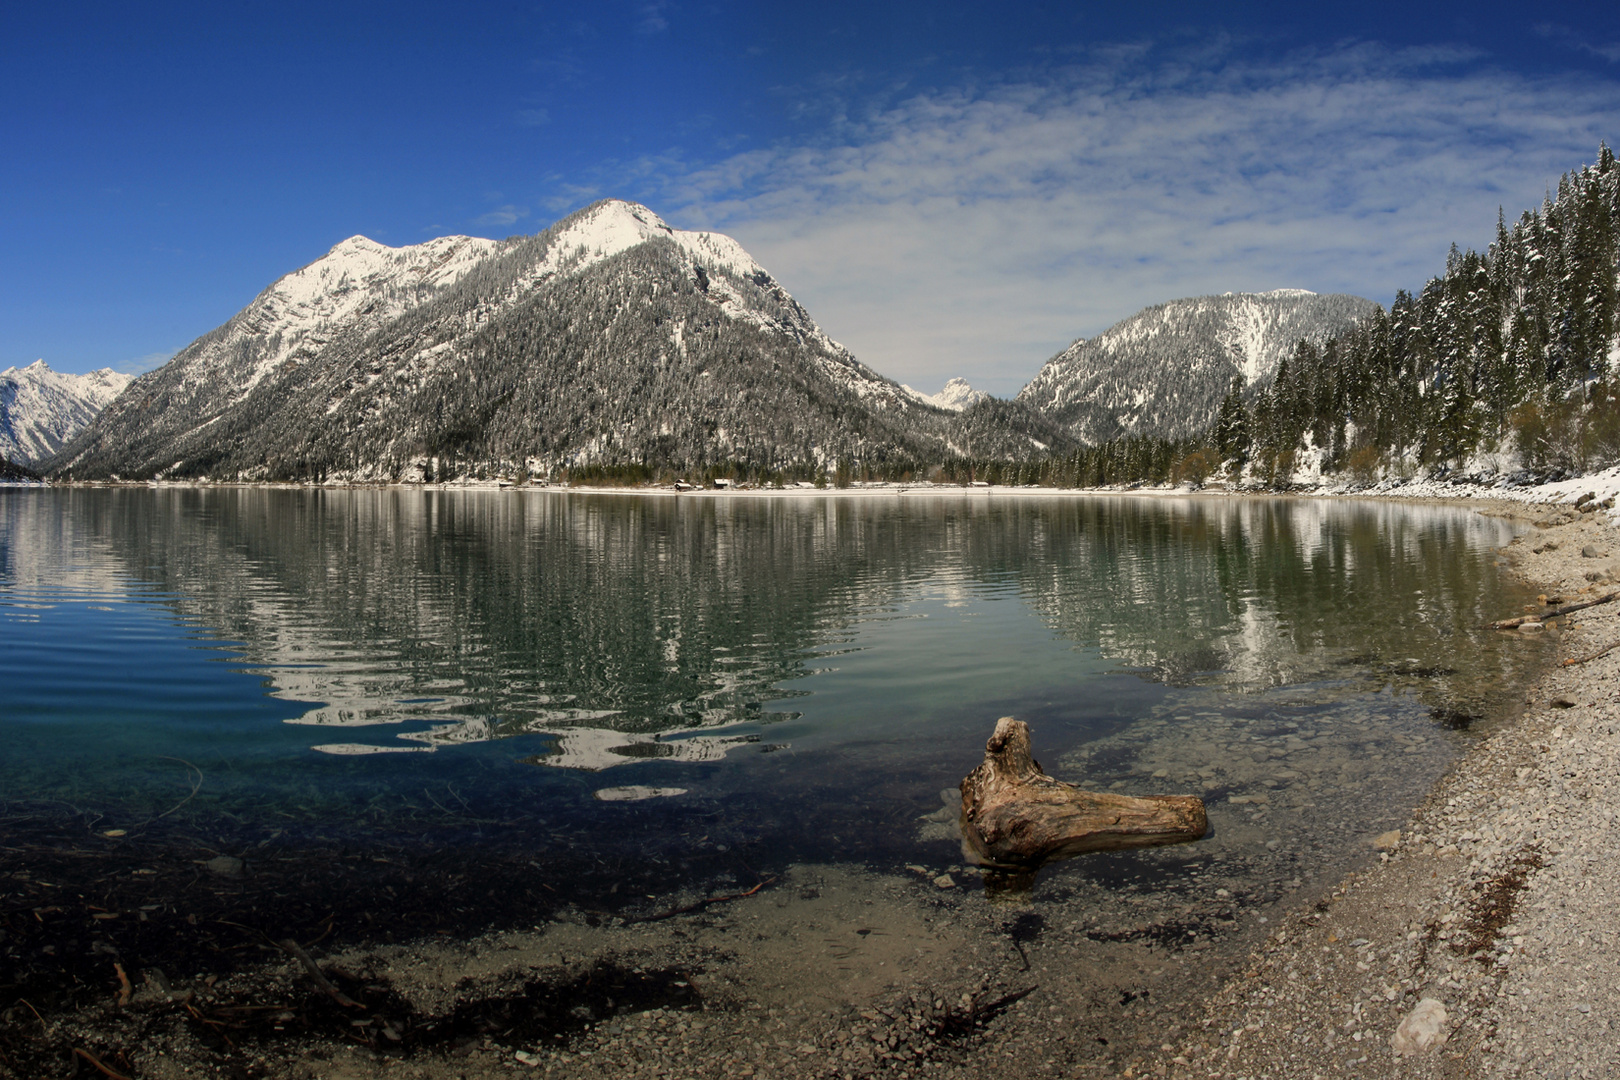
pixel 361 285
pixel 607 228
pixel 41 409
pixel 1164 370
pixel 609 339
pixel 358 285
pixel 955 397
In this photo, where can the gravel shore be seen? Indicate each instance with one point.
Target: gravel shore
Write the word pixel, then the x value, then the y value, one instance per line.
pixel 1497 901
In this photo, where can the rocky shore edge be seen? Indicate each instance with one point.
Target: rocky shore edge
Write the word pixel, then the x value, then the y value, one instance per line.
pixel 1496 901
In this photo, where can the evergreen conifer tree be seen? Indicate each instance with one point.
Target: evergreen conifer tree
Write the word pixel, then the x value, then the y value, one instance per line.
pixel 1232 424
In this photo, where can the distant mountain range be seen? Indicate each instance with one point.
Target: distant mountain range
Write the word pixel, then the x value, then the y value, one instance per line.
pixel 613 342
pixel 609 340
pixel 1164 370
pixel 41 409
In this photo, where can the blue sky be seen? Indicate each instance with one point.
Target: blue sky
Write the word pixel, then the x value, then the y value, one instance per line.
pixel 949 188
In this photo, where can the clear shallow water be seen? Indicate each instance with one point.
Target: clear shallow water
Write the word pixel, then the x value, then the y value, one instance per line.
pixel 462 670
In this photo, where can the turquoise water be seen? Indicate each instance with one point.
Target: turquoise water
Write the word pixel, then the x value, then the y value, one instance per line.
pixel 804 674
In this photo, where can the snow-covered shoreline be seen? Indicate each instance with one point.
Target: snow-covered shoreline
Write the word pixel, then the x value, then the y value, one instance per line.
pixel 1602 485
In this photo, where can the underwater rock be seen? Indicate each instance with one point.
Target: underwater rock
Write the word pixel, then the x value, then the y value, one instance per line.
pixel 1015 818
pixel 942 824
pixel 225 866
pixel 636 792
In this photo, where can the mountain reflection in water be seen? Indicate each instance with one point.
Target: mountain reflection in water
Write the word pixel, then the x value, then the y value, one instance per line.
pixel 738 690
pixel 603 631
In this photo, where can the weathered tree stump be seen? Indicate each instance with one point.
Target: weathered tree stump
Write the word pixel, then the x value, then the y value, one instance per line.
pixel 1016 819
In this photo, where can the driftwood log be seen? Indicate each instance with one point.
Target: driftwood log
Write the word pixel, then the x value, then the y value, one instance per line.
pixel 1015 818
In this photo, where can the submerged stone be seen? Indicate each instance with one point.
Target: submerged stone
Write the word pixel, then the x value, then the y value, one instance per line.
pixel 636 792
pixel 225 866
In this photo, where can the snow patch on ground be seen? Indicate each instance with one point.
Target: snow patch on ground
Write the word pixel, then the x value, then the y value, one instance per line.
pixel 1479 481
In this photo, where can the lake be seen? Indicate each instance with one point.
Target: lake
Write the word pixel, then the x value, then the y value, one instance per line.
pixel 401 711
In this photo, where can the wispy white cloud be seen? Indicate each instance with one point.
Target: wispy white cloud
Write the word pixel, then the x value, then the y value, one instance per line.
pixel 502 215
pixel 1568 38
pixel 651 18
pixel 563 197
pixel 140 365
pixel 977 231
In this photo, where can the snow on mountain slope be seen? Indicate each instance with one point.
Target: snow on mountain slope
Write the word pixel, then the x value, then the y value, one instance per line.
pixel 1164 370
pixel 359 284
pixel 612 226
pixel 606 228
pixel 956 396
pixel 608 339
pixel 41 409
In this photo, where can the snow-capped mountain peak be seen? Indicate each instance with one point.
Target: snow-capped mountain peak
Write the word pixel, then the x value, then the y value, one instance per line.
pixel 956 396
pixel 358 285
pixel 41 409
pixel 364 263
pixel 613 225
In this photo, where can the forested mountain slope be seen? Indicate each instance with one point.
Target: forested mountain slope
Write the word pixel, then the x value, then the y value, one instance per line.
pixel 609 341
pixel 1163 371
pixel 1512 351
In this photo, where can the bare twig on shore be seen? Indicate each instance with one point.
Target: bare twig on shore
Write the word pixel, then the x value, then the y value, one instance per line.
pixel 38 1017
pixel 1508 624
pixel 1606 650
pixel 92 1059
pixel 962 1021
pixel 219 1028
pixel 672 912
pixel 315 973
